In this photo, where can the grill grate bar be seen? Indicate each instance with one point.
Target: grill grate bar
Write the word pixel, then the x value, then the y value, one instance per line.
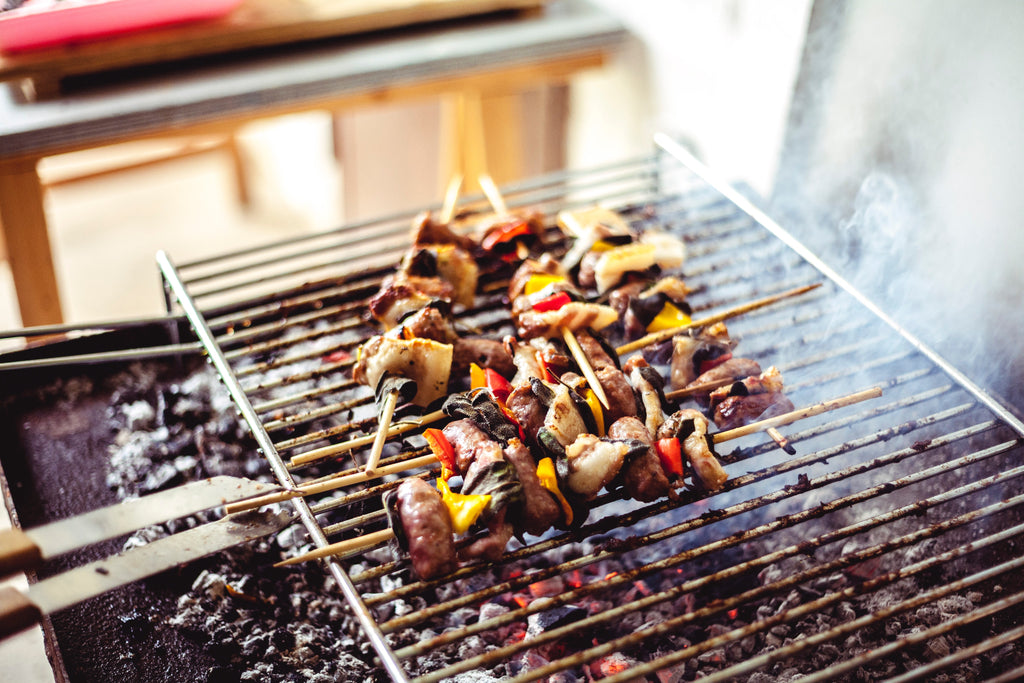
pixel 847 560
pixel 923 636
pixel 826 601
pixel 718 515
pixel 670 562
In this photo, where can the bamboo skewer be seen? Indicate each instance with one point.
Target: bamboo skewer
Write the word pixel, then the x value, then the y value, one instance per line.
pixel 451 198
pixel 700 388
pixel 798 414
pixel 383 426
pixel 584 362
pixel 664 335
pixel 402 427
pixel 359 543
pixel 493 195
pixel 329 484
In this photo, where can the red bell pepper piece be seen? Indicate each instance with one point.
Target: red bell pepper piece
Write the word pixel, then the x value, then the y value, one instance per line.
pixel 443 450
pixel 506 232
pixel 714 362
pixel 552 303
pixel 497 385
pixel 671 455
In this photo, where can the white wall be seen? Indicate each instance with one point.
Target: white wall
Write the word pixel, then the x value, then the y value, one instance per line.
pixel 716 74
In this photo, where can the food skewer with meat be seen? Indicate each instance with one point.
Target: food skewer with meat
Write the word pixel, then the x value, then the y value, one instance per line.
pixel 427 540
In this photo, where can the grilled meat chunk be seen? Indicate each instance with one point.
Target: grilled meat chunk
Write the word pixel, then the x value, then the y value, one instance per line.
pixel 487 353
pixel 430 323
pixel 528 411
pixel 734 368
pixel 425 230
pixel 643 476
pixel 539 510
pixel 736 411
pixel 491 546
pixel 401 295
pixel 427 528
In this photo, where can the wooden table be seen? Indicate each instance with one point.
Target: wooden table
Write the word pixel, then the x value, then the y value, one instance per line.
pixel 481 58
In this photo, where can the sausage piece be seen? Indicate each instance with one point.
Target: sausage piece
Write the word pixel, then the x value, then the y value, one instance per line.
pixel 643 477
pixel 428 529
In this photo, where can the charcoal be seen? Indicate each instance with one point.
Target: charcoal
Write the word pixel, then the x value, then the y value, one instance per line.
pixel 554 618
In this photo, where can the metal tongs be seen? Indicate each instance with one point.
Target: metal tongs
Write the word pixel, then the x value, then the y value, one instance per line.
pixel 22 550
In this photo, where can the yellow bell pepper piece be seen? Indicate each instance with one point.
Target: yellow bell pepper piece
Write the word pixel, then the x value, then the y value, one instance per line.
pixel 549 480
pixel 595 407
pixel 670 317
pixel 477 379
pixel 464 510
pixel 540 281
pixel 602 245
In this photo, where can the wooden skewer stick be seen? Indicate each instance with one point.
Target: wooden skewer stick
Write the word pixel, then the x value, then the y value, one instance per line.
pixel 798 414
pixel 781 440
pixel 656 337
pixel 493 195
pixel 451 198
pixel 369 540
pixel 584 362
pixel 360 441
pixel 387 412
pixel 329 484
pixel 357 544
pixel 701 388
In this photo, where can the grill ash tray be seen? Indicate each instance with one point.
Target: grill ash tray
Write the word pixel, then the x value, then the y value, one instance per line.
pixel 57 436
pixel 85 440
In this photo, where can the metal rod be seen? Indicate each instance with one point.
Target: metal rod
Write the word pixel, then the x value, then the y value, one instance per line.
pixel 205 335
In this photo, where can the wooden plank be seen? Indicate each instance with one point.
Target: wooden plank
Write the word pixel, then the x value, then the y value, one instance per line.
pixel 28 243
pixel 256 23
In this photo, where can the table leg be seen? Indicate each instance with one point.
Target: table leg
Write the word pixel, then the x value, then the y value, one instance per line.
pixel 28 243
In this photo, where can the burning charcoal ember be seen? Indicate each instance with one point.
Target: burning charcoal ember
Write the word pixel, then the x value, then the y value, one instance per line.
pixel 542 622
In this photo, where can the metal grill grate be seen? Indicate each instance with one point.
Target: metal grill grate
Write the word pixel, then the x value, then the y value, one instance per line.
pixel 889 509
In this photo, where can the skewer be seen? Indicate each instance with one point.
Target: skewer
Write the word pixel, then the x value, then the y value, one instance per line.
pixel 664 335
pixel 699 388
pixel 360 543
pixel 451 197
pixel 330 484
pixel 493 195
pixel 588 370
pixel 781 440
pixel 798 414
pixel 360 441
pixel 387 412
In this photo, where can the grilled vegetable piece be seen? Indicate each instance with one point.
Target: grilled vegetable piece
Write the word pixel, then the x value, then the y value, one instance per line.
pixel 691 427
pixel 426 362
pixel 426 529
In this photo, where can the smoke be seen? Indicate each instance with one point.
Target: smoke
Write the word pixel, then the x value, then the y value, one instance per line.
pixel 901 169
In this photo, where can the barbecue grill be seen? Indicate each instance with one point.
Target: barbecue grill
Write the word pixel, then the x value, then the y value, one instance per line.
pixel 888 547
